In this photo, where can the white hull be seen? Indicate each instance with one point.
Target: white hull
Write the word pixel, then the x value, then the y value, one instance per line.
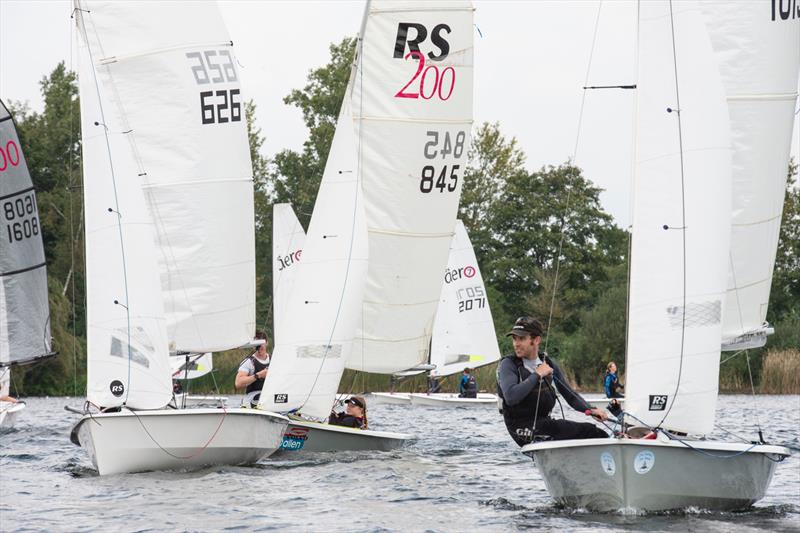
pixel 393 398
pixel 125 442
pixel 600 401
pixel 452 400
pixel 9 413
pixel 304 436
pixel 194 400
pixel 655 475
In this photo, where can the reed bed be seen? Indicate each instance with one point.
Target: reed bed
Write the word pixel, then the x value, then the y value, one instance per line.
pixel 780 373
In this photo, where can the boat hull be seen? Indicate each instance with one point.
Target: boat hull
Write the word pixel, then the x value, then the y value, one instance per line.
pixel 126 442
pixel 303 436
pixel 655 475
pixel 393 398
pixel 9 413
pixel 452 400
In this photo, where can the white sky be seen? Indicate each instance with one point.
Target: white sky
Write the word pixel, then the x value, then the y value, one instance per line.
pixel 530 65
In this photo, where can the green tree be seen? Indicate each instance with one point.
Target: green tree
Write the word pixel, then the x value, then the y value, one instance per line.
pixel 785 295
pixel 296 176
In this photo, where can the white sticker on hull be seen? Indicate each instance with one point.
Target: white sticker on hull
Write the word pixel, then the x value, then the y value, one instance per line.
pixel 644 461
pixel 608 464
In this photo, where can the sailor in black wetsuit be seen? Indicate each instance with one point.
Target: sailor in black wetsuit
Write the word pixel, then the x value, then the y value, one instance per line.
pixel 467 387
pixel 527 383
pixel 355 415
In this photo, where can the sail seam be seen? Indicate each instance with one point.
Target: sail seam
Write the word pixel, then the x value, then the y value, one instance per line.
pixel 116 59
pixel 410 235
pixel 21 270
pixel 195 183
pixel 763 96
pixel 23 191
pixel 417 120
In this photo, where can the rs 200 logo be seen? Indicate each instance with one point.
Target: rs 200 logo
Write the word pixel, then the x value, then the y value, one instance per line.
pixel 658 402
pixel 117 388
pixel 427 82
pixel 419 36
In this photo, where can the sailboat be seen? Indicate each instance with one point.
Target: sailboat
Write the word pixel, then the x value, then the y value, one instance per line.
pixel 24 310
pixel 157 247
pixel 680 261
pixel 463 331
pixel 383 219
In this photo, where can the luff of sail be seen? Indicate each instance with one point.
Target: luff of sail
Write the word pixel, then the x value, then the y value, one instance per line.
pixel 24 310
pixel 127 352
pixel 288 239
pixel 759 55
pixel 463 332
pixel 680 223
pixel 178 86
pixel 412 105
pixel 322 310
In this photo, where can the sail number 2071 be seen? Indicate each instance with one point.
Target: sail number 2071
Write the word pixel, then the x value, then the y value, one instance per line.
pixel 441 144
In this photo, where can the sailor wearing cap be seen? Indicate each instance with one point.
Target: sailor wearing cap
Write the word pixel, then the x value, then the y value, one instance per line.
pixel 354 416
pixel 527 382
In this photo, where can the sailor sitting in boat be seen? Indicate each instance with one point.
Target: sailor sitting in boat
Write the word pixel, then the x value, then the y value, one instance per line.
pixel 467 387
pixel 354 416
pixel 525 385
pixel 611 385
pixel 252 372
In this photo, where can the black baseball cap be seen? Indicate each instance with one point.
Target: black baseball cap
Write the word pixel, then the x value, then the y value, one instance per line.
pixel 526 325
pixel 356 400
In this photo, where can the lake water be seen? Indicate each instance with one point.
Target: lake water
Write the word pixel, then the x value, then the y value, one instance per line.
pixel 462 474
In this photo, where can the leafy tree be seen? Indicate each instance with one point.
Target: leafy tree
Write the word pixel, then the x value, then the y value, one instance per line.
pixel 785 295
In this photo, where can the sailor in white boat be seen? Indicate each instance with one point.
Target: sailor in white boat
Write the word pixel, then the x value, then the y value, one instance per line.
pixel 611 385
pixel 355 415
pixel 433 385
pixel 525 383
pixel 253 371
pixel 468 386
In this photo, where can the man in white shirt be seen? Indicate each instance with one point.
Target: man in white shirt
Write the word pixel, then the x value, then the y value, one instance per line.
pixel 252 372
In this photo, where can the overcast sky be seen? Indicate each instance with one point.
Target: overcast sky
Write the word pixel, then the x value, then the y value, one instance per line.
pixel 530 62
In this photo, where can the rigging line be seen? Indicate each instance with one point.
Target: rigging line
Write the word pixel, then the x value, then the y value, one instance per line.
pixel 731 357
pixel 73 36
pixel 569 189
pixel 116 203
pixel 356 205
pixel 753 395
pixel 197 452
pixel 683 212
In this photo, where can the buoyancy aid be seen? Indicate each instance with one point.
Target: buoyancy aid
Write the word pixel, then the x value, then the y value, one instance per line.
pixel 538 403
pixel 253 390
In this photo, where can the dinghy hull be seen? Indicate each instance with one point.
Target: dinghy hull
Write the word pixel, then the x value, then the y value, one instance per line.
pixel 655 475
pixel 452 400
pixel 9 413
pixel 392 398
pixel 127 442
pixel 303 436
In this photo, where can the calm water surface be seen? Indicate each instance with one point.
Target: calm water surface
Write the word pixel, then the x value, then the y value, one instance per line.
pixel 462 474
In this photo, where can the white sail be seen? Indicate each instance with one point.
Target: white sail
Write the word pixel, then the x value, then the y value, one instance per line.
pixel 677 284
pixel 413 106
pixel 191 366
pixel 24 311
pixel 171 67
pixel 758 47
pixel 463 333
pixel 127 361
pixel 288 238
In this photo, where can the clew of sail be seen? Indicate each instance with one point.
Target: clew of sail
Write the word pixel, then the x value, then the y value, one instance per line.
pixel 176 83
pixel 758 48
pixel 412 105
pixel 681 223
pixel 126 331
pixel 288 239
pixel 463 333
pixel 24 310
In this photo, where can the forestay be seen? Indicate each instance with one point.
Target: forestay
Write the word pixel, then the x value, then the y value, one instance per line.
pixel 413 108
pixel 681 227
pixel 323 307
pixel 758 47
pixel 288 238
pixel 463 333
pixel 24 311
pixel 127 361
pixel 176 81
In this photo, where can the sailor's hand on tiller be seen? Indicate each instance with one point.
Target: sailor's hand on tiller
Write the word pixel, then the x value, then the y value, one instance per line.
pixel 544 370
pixel 599 414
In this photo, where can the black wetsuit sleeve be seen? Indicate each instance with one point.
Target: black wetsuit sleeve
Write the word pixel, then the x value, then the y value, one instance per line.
pixel 573 398
pixel 507 380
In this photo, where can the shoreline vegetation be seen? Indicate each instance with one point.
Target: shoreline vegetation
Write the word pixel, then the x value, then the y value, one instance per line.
pixel 564 228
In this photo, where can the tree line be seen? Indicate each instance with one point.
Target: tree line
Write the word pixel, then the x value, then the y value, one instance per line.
pixel 544 244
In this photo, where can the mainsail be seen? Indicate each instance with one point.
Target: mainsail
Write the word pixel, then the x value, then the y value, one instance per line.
pixel 126 331
pixel 681 223
pixel 463 333
pixel 412 106
pixel 288 239
pixel 24 311
pixel 758 47
pixel 176 83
